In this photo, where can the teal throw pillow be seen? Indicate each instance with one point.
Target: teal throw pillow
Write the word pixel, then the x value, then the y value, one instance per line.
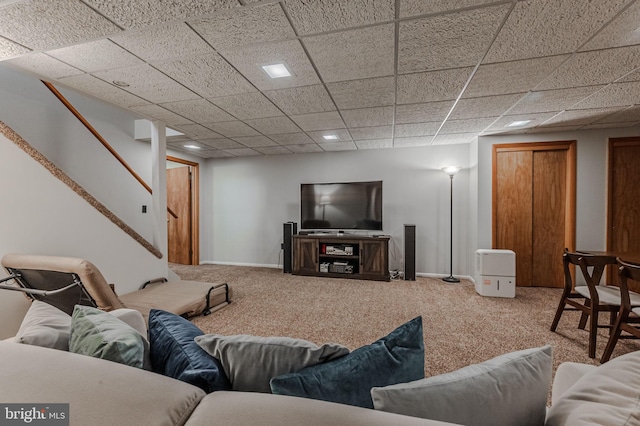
pixel 101 335
pixel 395 358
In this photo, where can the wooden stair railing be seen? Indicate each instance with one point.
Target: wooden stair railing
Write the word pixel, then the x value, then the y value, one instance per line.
pixel 98 136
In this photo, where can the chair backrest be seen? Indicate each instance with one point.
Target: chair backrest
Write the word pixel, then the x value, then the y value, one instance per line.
pixel 52 272
pixel 569 258
pixel 593 267
pixel 627 271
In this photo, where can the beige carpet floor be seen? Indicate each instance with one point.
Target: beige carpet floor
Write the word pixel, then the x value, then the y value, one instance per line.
pixel 460 327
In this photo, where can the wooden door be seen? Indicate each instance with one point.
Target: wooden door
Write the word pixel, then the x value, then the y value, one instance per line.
pixel 623 216
pixel 305 255
pixel 373 255
pixel 179 201
pixel 534 208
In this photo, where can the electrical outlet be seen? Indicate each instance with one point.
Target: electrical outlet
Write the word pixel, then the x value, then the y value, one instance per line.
pixel 144 209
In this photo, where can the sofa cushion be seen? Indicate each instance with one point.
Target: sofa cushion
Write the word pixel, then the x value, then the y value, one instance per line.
pixel 606 395
pixel 395 358
pixel 174 353
pixel 45 325
pixel 251 361
pixel 511 389
pixel 101 335
pixel 99 392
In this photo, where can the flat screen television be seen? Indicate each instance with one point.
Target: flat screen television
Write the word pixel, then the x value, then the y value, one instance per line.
pixel 341 206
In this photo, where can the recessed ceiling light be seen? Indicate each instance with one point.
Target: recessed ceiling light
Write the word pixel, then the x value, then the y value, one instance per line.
pixel 276 70
pixel 330 137
pixel 192 146
pixel 518 123
pixel 120 83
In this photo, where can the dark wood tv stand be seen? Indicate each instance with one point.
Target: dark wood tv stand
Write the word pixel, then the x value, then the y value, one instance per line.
pixel 341 256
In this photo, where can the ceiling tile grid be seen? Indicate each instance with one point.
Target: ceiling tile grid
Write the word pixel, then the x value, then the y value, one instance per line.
pixel 375 74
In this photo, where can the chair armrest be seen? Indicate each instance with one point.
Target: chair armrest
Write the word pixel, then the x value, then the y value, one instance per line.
pixel 566 375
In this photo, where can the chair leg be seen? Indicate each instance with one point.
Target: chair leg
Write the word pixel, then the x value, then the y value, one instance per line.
pixel 583 318
pixel 559 311
pixel 613 338
pixel 593 332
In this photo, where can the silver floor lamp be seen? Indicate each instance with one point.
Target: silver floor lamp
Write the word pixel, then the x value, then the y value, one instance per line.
pixel 451 171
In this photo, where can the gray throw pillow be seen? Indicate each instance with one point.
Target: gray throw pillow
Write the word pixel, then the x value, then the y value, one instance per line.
pixel 508 390
pixel 250 361
pixel 45 325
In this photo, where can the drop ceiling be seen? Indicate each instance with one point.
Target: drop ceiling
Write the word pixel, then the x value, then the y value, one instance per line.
pixel 372 74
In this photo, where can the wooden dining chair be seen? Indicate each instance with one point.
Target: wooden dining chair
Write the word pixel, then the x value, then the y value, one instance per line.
pixel 590 299
pixel 628 319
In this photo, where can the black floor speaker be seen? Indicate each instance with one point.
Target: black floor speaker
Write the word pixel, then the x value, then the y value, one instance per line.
pixel 410 252
pixel 289 229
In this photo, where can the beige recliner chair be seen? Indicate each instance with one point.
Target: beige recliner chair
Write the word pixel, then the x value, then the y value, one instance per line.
pixel 43 277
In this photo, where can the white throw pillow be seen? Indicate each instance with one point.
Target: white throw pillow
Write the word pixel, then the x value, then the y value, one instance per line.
pixel 606 395
pixel 508 390
pixel 250 362
pixel 45 325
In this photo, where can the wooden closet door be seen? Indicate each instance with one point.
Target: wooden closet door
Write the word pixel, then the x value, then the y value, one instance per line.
pixel 623 219
pixel 534 208
pixel 179 201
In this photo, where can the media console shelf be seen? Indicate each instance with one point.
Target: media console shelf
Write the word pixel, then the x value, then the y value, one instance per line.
pixel 346 256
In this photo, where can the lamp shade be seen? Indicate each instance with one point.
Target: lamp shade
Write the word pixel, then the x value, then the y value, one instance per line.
pixel 451 170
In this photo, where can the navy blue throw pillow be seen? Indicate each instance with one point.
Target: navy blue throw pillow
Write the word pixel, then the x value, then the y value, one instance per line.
pixel 395 358
pixel 175 353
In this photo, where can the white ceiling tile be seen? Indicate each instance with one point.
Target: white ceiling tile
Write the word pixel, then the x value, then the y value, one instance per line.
pixel 247 106
pixel 488 106
pixel 414 141
pixel 232 128
pixel 600 125
pixel 617 94
pixel 292 139
pixel 623 31
pixel 301 149
pixel 162 114
pixel 267 23
pixel 558 129
pixel 319 121
pixel 416 129
pixel 466 126
pixel 376 132
pixel 222 143
pixel 368 116
pixel 218 154
pixel 552 100
pixel 196 73
pixel 140 13
pixel 371 92
pixel 101 89
pixel 633 76
pixel 456 138
pixel 631 114
pixel 595 67
pixel 511 77
pixel 273 125
pixel 375 144
pixel 410 8
pixel 198 131
pixel 47 24
pixel 310 17
pixel 45 65
pixel 580 117
pixel 338 146
pixel 148 83
pixel 248 60
pixel 536 119
pixel 96 56
pixel 420 113
pixel 163 43
pixel 354 54
pixel 273 150
pixel 432 86
pixel 199 110
pixel 302 100
pixel 448 41
pixel 9 49
pixel 342 134
pixel 242 152
pixel 542 28
pixel 254 141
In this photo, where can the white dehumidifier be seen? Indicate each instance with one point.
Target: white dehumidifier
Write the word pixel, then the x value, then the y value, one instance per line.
pixel 495 273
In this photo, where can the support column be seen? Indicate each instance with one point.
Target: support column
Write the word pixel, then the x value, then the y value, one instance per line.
pixel 159 186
